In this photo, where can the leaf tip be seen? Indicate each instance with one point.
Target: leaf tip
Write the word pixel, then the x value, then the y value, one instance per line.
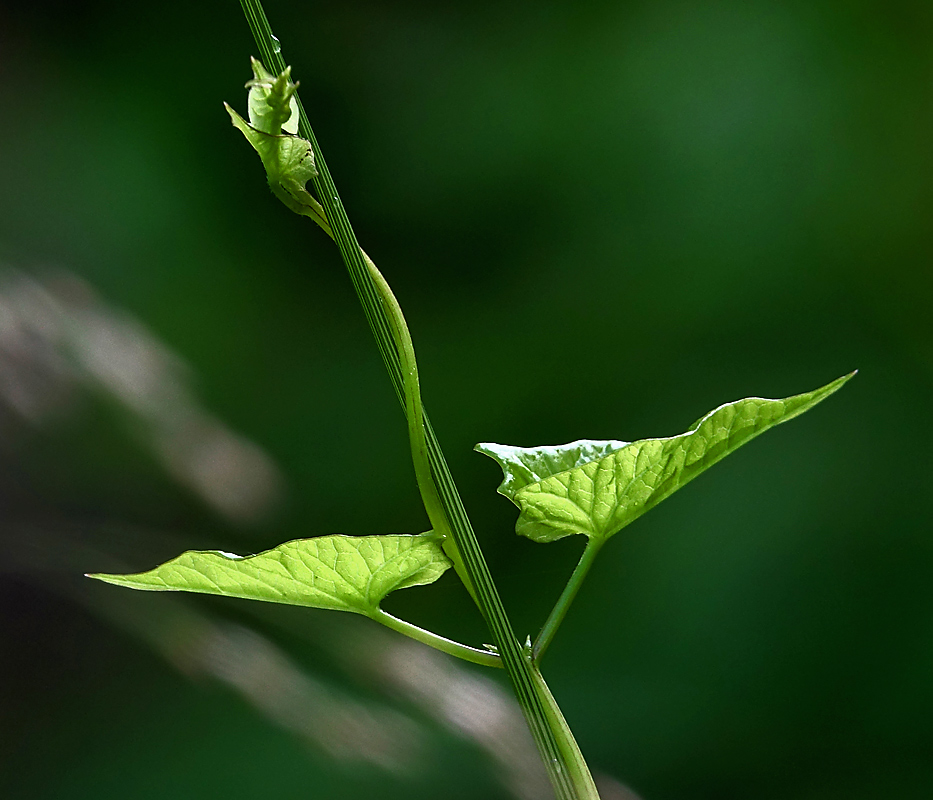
pixel 104 577
pixel 839 382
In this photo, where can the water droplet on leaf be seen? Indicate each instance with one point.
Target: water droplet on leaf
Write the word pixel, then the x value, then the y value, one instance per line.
pixel 276 45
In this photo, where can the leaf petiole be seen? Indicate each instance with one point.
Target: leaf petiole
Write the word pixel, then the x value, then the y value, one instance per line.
pixel 452 648
pixel 566 598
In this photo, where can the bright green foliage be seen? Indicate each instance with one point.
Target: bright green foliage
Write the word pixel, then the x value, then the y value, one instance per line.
pixel 597 488
pixel 273 123
pixel 523 466
pixel 343 573
pixel 272 104
pixel 589 487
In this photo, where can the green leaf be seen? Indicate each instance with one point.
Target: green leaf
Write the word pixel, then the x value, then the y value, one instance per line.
pixel 287 158
pixel 522 466
pixel 343 573
pixel 272 104
pixel 597 488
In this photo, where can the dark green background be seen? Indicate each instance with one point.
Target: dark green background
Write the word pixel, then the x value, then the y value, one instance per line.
pixel 602 220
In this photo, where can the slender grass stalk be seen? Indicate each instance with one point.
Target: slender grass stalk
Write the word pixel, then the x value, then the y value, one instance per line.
pixel 566 769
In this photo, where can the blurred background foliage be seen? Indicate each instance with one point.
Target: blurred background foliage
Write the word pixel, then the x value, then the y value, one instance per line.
pixel 602 220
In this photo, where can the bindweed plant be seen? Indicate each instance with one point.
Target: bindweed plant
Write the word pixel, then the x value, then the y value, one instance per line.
pixel 591 488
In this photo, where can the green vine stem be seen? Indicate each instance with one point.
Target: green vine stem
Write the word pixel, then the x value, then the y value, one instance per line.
pixel 579 773
pixel 566 598
pixel 565 766
pixel 414 413
pixel 433 505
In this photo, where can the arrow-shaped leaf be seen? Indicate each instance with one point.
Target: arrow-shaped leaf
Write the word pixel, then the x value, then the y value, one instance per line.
pixel 343 573
pixel 597 488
